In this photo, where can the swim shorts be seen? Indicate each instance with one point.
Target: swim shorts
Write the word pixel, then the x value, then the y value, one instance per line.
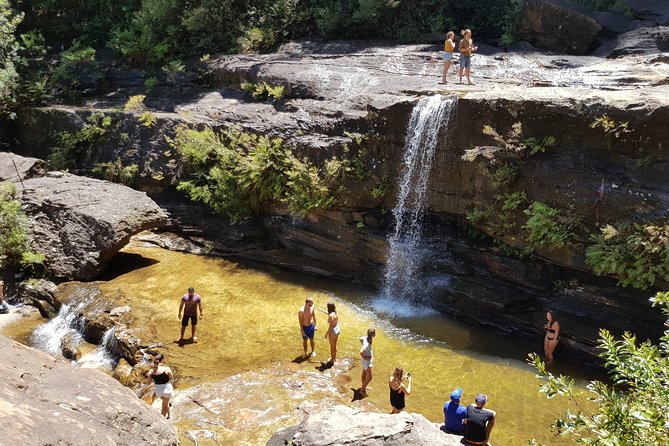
pixel 309 331
pixel 465 61
pixel 184 321
pixel 366 363
pixel 164 390
pixel 448 55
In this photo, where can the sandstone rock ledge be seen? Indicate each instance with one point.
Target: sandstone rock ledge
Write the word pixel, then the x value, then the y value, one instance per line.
pixel 342 425
pixel 47 402
pixel 78 223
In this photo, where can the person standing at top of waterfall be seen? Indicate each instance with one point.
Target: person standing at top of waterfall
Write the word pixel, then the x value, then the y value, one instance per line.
pixel 449 47
pixel 366 359
pixel 552 328
pixel 191 302
pixel 162 376
pixel 4 308
pixel 306 316
pixel 466 48
pixel 333 331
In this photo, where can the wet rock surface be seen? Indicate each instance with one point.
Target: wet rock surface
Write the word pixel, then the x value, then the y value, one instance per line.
pixel 345 425
pixel 51 402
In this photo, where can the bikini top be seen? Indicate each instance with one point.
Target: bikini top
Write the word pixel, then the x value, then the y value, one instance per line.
pixel 162 378
pixel 549 328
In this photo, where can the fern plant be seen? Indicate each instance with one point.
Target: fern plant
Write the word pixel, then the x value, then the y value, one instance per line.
pixel 548 226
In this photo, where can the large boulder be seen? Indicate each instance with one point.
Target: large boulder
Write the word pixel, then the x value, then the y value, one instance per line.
pixel 51 402
pixel 559 26
pixel 344 425
pixel 79 223
pixel 14 168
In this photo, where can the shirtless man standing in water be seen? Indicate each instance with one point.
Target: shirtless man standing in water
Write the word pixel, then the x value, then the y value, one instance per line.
pixel 307 318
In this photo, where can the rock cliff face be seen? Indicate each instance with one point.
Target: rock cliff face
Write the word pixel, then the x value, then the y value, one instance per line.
pixel 48 402
pixel 80 223
pixel 343 94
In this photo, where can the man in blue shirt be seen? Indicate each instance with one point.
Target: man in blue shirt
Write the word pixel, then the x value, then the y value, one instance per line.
pixel 454 413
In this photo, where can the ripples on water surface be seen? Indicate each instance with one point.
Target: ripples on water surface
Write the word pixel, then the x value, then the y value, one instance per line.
pixel 250 328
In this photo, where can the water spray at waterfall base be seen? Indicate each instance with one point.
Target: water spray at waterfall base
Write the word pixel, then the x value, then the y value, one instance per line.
pixel 403 292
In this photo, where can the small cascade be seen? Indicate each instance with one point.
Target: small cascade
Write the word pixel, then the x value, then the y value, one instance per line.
pixel 105 355
pixel 401 285
pixel 68 324
pixel 49 337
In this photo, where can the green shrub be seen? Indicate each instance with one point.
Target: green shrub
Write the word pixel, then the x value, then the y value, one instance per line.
pixel 235 172
pixel 612 129
pixel 513 145
pixel 504 175
pixel 117 172
pixel 148 119
pixel 638 255
pixel 134 103
pixel 33 45
pixel 9 78
pixel 74 149
pixel 15 252
pixel 256 40
pixel 262 90
pixel 512 202
pixel 150 84
pixel 548 226
pixel 382 188
pixel 35 90
pixel 174 66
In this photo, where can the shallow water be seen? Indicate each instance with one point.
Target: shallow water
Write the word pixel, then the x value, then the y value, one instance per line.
pixel 250 336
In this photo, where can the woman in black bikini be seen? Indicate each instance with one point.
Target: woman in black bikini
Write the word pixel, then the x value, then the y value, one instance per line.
pixel 552 328
pixel 398 389
pixel 162 377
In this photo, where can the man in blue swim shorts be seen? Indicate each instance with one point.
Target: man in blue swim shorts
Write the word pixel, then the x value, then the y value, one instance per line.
pixel 307 318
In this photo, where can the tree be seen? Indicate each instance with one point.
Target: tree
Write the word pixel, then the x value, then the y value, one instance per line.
pixel 632 410
pixel 9 20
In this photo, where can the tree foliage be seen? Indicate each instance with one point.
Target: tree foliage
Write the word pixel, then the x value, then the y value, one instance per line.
pixel 157 31
pixel 15 252
pixel 9 78
pixel 631 411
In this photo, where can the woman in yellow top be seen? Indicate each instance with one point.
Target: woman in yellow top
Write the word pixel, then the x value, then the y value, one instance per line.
pixel 466 48
pixel 449 46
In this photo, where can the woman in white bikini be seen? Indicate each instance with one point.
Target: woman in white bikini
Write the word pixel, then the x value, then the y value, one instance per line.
pixel 162 376
pixel 367 357
pixel 333 331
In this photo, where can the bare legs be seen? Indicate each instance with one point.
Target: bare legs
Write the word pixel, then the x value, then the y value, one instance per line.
pixel 467 72
pixel 192 331
pixel 333 347
pixel 549 348
pixel 165 410
pixel 304 346
pixel 366 378
pixel 447 66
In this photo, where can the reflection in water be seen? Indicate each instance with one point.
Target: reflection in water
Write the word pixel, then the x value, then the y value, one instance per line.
pixel 250 335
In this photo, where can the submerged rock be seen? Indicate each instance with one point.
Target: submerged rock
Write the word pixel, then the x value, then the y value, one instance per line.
pixel 344 425
pixel 51 402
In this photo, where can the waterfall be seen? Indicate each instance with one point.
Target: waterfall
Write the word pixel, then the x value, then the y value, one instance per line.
pixel 104 356
pixel 49 337
pixel 401 285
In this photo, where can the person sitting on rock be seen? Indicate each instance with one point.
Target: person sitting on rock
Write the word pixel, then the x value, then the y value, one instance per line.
pixel 454 413
pixel 4 308
pixel 479 422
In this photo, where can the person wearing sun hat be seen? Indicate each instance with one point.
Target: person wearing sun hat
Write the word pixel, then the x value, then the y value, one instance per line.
pixel 479 422
pixel 454 413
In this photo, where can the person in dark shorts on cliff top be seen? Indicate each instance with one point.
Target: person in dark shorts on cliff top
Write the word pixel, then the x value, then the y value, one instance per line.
pixel 190 304
pixel 479 422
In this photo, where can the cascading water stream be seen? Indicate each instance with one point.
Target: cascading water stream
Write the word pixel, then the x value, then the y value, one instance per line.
pixel 401 286
pixel 49 337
